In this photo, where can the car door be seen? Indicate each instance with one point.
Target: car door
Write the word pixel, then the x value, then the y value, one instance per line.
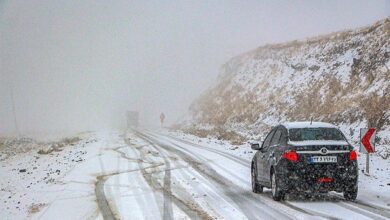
pixel 261 156
pixel 269 155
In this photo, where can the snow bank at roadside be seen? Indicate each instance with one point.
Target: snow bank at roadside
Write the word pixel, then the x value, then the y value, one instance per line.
pixel 29 169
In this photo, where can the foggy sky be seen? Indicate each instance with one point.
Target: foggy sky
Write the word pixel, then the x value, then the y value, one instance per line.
pixel 78 65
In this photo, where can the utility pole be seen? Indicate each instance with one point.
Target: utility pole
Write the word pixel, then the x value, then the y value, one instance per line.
pixel 14 111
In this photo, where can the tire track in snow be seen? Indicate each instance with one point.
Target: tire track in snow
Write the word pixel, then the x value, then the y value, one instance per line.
pixel 190 208
pixel 167 210
pixel 101 198
pixel 261 197
pixel 245 164
pixel 364 212
pixel 147 176
pixel 141 201
pixel 308 212
pixel 235 158
pixel 217 191
pixel 363 206
pixel 246 202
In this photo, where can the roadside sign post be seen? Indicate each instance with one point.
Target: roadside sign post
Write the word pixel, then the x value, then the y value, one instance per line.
pixel 367 144
pixel 162 118
pixel 368 163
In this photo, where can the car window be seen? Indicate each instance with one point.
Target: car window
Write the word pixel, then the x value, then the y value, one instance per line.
pixel 267 140
pixel 283 137
pixel 276 137
pixel 306 134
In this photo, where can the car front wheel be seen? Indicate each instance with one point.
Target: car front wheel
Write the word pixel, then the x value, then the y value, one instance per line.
pixel 277 193
pixel 256 187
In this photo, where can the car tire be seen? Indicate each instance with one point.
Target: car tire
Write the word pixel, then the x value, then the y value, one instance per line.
pixel 351 194
pixel 256 187
pixel 277 193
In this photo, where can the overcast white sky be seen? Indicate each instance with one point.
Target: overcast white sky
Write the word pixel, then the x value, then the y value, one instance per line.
pixel 78 65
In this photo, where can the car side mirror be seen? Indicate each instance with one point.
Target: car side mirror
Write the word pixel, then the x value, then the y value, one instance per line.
pixel 255 146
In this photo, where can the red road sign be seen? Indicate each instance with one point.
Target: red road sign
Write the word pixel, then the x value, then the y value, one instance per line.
pixel 367 141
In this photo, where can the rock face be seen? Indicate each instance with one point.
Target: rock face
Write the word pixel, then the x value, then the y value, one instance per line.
pixel 342 78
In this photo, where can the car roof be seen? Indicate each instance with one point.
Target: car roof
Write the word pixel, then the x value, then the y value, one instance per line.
pixel 308 124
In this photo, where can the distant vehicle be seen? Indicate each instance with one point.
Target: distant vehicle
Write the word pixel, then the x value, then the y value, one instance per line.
pixel 132 119
pixel 305 157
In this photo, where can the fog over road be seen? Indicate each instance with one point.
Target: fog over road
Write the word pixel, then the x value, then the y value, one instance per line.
pixel 77 66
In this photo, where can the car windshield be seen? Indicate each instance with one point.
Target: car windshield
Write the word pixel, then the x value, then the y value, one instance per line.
pixel 308 134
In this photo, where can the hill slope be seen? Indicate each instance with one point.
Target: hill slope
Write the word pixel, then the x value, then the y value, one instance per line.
pixel 342 78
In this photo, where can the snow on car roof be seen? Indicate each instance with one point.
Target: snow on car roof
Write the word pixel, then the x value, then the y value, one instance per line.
pixel 317 142
pixel 308 124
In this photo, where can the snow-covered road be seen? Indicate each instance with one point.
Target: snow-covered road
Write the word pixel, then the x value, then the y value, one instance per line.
pixel 160 175
pixel 228 177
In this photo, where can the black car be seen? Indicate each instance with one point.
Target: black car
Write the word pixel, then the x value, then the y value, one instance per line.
pixel 305 157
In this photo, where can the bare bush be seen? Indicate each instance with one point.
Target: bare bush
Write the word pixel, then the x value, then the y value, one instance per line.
pixel 70 140
pixel 376 109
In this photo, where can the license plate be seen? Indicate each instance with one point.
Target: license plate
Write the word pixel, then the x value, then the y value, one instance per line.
pixel 323 159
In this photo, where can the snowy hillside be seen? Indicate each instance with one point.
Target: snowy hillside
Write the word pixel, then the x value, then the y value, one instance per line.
pixel 342 78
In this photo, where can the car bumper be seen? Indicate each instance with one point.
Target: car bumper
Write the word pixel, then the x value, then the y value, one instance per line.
pixel 309 179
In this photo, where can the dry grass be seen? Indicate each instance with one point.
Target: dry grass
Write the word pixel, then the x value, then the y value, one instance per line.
pixel 35 208
pixel 2 140
pixel 70 140
pixel 58 146
pixel 219 133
